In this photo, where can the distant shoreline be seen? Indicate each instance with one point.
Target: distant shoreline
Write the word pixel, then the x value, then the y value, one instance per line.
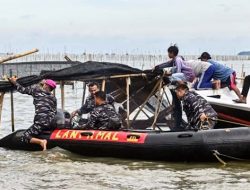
pixel 117 57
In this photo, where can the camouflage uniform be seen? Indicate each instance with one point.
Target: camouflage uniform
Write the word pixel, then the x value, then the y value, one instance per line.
pixel 194 105
pixel 90 104
pixel 103 117
pixel 45 110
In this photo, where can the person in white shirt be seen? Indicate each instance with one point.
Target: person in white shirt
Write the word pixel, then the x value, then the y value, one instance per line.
pixel 204 72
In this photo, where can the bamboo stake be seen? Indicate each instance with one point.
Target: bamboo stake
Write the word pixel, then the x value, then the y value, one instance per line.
pixel 127 92
pixel 103 85
pixel 84 92
pixel 12 107
pixel 129 75
pixel 62 94
pixel 118 76
pixel 1 106
pixel 67 58
pixel 18 55
pixel 160 98
pixel 12 111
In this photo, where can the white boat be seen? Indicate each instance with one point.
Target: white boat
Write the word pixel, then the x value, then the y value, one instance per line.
pixel 227 109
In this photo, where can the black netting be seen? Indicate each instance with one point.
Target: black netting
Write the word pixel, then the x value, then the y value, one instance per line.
pixel 87 71
pixel 90 70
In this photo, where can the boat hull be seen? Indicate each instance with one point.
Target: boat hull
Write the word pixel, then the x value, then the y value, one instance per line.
pixel 13 141
pixel 188 146
pixel 164 146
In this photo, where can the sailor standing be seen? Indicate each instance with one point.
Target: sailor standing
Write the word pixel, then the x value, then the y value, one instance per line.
pixel 45 110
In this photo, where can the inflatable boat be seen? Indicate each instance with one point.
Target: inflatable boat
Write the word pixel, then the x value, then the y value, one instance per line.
pixel 146 144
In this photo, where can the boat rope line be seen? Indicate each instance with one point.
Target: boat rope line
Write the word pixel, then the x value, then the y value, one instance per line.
pixel 217 154
pixel 231 122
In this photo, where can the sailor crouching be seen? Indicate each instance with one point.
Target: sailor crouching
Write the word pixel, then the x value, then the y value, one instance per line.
pixel 45 110
pixel 197 109
pixel 103 116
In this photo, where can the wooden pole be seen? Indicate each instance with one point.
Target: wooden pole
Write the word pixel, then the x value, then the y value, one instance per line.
pixel 84 92
pixel 1 105
pixel 103 85
pixel 67 58
pixel 62 94
pixel 144 103
pixel 131 99
pixel 160 98
pixel 18 55
pixel 127 92
pixel 12 107
pixel 120 76
pixel 12 112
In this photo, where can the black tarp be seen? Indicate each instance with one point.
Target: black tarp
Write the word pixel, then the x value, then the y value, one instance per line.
pixel 91 70
pixel 83 71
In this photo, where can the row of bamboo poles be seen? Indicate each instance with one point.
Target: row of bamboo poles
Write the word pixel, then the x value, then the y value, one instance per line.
pixel 121 57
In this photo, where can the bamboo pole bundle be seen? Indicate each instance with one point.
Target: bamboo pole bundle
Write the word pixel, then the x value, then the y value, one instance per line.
pixel 18 55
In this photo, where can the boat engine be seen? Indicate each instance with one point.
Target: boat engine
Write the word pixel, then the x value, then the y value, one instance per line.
pixel 62 120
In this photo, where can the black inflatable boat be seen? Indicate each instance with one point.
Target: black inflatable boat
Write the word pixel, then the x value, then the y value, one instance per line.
pixel 147 145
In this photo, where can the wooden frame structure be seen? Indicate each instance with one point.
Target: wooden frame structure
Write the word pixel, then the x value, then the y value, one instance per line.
pixel 157 88
pixel 127 77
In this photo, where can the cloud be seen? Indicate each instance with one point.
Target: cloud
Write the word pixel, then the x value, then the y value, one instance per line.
pixel 27 16
pixel 126 24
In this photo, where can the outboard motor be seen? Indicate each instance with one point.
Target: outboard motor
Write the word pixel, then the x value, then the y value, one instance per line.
pixel 62 120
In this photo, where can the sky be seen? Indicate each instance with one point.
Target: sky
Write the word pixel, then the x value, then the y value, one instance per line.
pixel 133 26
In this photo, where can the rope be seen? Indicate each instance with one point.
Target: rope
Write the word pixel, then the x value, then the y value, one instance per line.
pixel 231 122
pixel 217 154
pixel 218 158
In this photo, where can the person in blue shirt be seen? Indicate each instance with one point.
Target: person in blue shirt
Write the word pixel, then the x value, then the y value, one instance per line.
pixel 223 73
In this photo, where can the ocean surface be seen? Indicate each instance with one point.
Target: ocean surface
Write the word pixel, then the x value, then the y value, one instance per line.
pixel 60 169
